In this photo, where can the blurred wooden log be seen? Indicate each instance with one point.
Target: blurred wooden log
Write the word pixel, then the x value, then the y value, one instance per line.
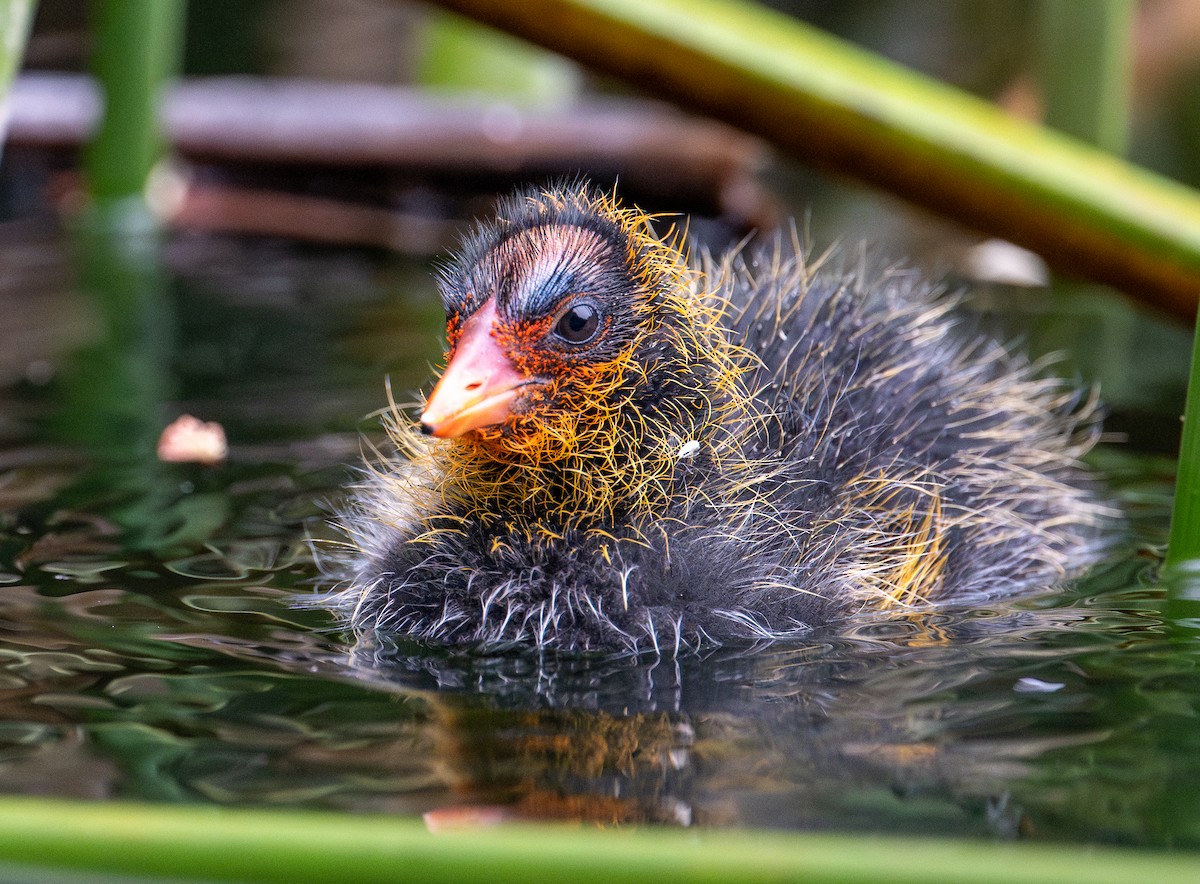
pixel 244 121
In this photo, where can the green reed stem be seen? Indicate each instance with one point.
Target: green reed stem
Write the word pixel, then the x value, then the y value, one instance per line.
pixel 1085 66
pixel 1184 544
pixel 116 391
pixel 137 50
pixel 15 18
pixel 44 840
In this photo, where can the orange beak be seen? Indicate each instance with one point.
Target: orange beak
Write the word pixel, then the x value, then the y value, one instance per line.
pixel 480 385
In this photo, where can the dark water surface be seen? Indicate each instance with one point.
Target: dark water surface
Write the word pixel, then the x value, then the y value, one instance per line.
pixel 152 649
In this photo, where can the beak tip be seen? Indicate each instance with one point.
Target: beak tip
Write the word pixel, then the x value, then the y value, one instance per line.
pixel 437 425
pixel 430 427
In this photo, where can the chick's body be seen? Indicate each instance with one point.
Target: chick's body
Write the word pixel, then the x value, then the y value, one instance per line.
pixel 634 451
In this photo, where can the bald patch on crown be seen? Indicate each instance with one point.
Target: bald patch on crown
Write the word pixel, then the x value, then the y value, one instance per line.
pixel 538 266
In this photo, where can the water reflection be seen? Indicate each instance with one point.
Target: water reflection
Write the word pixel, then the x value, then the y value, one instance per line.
pixel 919 726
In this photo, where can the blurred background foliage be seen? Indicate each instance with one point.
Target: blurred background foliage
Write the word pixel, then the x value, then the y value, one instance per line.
pixel 990 48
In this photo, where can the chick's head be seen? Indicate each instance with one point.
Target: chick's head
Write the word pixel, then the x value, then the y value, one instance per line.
pixel 582 356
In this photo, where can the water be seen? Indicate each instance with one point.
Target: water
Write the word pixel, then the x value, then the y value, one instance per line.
pixel 151 647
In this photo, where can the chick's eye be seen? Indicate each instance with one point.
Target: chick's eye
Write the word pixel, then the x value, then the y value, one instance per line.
pixel 578 324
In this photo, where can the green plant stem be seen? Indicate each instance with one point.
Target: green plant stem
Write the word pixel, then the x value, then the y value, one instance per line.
pixel 1085 68
pixel 1184 544
pixel 137 50
pixel 115 391
pixel 45 839
pixel 15 19
pixel 843 109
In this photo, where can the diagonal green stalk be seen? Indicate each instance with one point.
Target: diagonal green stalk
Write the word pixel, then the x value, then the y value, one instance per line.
pixel 841 108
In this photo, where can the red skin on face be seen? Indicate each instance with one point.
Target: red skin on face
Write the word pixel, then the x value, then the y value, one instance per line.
pixel 480 384
pixel 496 364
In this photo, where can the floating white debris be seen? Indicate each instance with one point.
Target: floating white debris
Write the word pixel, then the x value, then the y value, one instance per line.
pixel 999 261
pixel 190 440
pixel 1037 686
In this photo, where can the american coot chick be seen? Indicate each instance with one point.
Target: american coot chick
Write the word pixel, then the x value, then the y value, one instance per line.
pixel 629 449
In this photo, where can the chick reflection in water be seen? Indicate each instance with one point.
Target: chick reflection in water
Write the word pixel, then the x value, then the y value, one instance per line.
pixel 631 449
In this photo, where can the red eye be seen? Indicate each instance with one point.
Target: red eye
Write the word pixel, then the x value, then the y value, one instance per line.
pixel 578 324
